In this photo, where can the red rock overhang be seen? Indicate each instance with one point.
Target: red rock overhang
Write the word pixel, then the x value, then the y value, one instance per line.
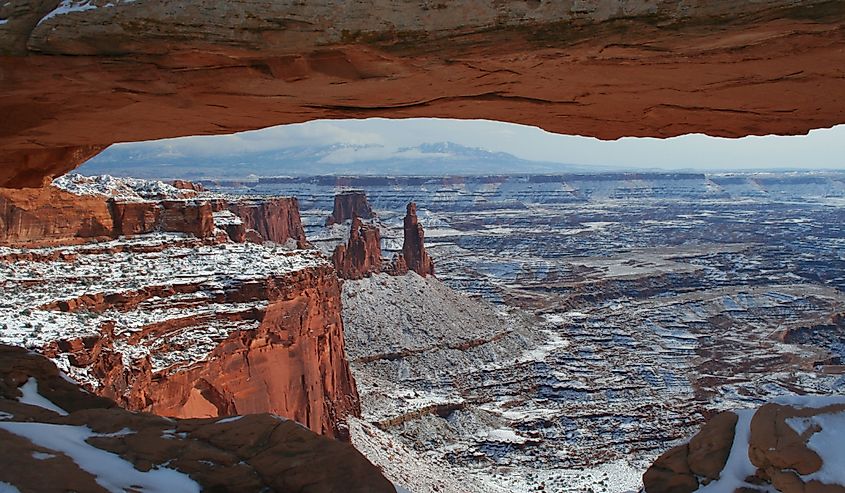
pixel 152 69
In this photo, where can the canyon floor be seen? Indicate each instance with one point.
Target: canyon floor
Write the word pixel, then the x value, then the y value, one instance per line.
pixel 610 318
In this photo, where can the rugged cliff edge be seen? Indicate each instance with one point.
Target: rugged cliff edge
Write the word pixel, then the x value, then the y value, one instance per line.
pixel 57 437
pixel 78 209
pixel 79 75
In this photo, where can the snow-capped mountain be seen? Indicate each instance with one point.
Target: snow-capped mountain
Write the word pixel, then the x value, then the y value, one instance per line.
pixel 439 158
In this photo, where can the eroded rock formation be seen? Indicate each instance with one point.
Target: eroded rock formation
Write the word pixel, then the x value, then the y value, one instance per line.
pixel 790 447
pixel 250 453
pixel 43 216
pixel 189 330
pixel 413 248
pixel 78 78
pixel 274 219
pixel 348 205
pixel 361 255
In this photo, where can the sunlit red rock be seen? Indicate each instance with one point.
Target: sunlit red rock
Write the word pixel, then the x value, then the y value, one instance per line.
pixel 249 453
pixel 129 71
pixel 361 255
pixel 274 219
pixel 413 248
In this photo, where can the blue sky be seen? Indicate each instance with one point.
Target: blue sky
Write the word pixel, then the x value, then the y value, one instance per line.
pixel 384 138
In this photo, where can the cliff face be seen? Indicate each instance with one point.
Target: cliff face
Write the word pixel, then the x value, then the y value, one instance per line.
pixel 42 438
pixel 170 68
pixel 348 205
pixel 413 248
pixel 207 330
pixel 44 216
pixel 89 209
pixel 361 255
pixel 275 219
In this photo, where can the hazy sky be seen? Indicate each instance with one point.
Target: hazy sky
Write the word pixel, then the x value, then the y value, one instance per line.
pixel 824 148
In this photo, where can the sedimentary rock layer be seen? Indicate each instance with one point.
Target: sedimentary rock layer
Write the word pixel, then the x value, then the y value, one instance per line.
pixel 188 330
pixel 80 76
pixel 413 248
pixel 361 255
pixel 348 205
pixel 55 435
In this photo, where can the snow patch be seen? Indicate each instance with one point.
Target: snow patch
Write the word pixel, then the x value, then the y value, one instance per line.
pixel 33 398
pixel 109 470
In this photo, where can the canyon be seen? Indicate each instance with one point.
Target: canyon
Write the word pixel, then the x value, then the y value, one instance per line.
pixel 642 296
pixel 604 318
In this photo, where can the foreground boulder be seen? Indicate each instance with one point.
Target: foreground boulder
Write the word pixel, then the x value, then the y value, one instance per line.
pixel 793 446
pixel 56 437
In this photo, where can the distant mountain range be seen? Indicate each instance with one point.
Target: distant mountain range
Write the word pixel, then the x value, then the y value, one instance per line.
pixel 430 159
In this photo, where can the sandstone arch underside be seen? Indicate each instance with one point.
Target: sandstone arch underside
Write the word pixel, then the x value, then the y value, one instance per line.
pixel 76 76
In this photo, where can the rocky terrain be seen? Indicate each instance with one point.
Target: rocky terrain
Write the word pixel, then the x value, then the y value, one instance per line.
pixel 793 444
pixel 185 324
pixel 81 74
pixel 661 300
pixel 57 437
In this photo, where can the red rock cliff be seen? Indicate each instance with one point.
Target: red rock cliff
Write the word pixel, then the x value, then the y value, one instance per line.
pixel 413 248
pixel 348 205
pixel 361 255
pixel 47 216
pixel 291 363
pixel 259 452
pixel 275 219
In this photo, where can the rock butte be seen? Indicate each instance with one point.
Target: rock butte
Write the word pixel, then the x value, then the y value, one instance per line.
pixel 75 82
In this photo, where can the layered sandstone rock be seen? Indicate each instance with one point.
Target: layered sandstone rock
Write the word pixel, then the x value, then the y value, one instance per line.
pixel 361 255
pixel 413 248
pixel 80 76
pixel 348 205
pixel 250 453
pixel 44 216
pixel 273 219
pixel 209 330
pixel 791 447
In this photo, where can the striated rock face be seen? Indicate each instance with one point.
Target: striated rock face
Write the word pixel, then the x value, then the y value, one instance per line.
pixel 348 205
pixel 413 248
pixel 398 266
pixel 44 216
pixel 79 78
pixel 274 219
pixel 188 330
pixel 792 447
pixel 361 255
pixel 47 420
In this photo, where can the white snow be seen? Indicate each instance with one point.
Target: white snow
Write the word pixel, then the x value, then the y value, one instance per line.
pixel 42 455
pixel 68 6
pixel 109 470
pixel 228 420
pixel 226 218
pixel 125 189
pixel 33 398
pixel 828 442
pixel 738 466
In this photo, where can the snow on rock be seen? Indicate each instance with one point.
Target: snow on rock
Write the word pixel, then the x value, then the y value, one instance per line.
pixel 125 189
pixel 111 471
pixel 33 398
pixel 792 445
